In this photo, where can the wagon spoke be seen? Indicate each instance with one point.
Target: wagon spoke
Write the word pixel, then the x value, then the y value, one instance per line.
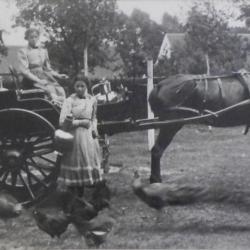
pixel 41 140
pixel 27 186
pixel 27 171
pixel 46 159
pixel 13 178
pixel 42 152
pixel 35 178
pixel 35 165
pixel 5 176
pixel 43 146
pixel 2 171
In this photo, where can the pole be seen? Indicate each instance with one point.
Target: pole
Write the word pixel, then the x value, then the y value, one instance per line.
pixel 85 58
pixel 150 86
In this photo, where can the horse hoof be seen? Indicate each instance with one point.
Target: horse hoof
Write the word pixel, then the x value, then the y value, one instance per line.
pixel 155 179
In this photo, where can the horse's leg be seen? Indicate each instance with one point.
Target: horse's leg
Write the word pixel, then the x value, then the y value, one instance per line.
pixel 164 138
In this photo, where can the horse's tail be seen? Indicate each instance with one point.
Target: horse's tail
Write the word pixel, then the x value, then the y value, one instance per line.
pixel 154 100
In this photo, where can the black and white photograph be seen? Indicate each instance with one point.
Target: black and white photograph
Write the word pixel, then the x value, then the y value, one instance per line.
pixel 124 124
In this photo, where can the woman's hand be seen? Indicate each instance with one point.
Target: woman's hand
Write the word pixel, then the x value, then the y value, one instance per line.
pixel 42 81
pixel 82 123
pixel 86 124
pixel 62 76
pixel 95 134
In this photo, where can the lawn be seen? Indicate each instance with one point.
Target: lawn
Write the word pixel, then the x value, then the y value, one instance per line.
pixel 218 159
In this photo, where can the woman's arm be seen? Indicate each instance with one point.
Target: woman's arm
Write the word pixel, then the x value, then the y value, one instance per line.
pixel 86 123
pixel 94 118
pixel 49 68
pixel 65 111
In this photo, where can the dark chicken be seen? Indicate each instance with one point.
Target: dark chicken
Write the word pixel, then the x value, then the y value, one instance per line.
pixel 52 221
pixel 81 210
pixel 51 214
pixel 101 196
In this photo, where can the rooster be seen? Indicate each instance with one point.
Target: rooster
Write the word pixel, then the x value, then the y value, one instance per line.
pixel 9 207
pixel 96 230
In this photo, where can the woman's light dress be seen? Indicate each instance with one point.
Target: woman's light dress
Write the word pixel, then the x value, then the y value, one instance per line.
pixel 82 165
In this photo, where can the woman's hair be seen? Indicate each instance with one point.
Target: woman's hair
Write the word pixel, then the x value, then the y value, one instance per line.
pixel 81 77
pixel 31 30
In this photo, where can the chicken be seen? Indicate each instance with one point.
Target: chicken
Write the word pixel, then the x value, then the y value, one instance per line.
pixel 51 220
pixel 96 230
pixel 101 196
pixel 51 214
pixel 62 200
pixel 9 207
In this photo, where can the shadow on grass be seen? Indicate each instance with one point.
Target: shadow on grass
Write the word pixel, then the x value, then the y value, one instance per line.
pixel 197 227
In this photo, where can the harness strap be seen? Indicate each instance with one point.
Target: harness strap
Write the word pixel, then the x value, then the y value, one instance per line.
pixel 202 77
pixel 243 82
pixel 221 90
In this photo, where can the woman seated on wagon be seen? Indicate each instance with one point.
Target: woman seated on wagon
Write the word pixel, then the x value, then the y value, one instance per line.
pixel 36 69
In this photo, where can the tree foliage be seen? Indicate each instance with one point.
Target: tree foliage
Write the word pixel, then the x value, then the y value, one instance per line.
pixel 137 38
pixel 72 26
pixel 207 35
pixel 171 24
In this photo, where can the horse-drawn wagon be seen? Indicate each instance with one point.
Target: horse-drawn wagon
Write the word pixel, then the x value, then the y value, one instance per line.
pixel 29 165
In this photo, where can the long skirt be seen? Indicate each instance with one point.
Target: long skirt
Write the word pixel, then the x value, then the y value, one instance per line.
pixel 81 166
pixel 52 87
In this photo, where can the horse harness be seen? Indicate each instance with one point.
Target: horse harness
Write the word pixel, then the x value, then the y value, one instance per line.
pixel 242 80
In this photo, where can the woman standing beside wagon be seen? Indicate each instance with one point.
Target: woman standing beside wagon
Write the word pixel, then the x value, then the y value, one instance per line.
pixel 81 165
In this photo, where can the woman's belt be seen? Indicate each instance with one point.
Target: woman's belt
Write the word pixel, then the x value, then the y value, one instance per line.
pixel 35 67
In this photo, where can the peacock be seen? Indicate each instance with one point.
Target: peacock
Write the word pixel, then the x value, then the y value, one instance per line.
pixel 160 195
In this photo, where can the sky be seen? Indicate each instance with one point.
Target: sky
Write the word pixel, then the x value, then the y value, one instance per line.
pixel 155 8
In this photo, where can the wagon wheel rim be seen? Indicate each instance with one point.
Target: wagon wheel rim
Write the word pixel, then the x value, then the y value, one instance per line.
pixel 28 162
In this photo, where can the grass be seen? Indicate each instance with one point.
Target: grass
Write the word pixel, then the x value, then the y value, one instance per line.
pixel 219 159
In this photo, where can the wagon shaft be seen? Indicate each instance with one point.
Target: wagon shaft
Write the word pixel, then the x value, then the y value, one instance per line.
pixel 114 127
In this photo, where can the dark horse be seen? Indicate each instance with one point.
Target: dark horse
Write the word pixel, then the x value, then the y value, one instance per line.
pixel 182 96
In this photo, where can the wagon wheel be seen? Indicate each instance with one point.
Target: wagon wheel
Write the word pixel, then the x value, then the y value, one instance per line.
pixel 28 163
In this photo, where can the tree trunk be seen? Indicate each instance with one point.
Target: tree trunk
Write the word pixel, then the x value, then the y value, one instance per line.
pixel 207 64
pixel 85 60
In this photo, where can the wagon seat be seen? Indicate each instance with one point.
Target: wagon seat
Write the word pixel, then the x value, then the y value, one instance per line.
pixel 104 94
pixel 23 91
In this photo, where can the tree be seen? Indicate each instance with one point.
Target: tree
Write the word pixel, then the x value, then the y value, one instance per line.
pixel 137 38
pixel 79 30
pixel 171 24
pixel 3 48
pixel 207 31
pixel 245 13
